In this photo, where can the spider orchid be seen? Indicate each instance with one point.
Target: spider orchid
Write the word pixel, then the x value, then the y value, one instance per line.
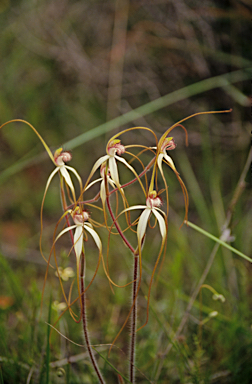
pixel 60 158
pixel 81 226
pixel 114 151
pixel 167 144
pixel 108 164
pixel 153 203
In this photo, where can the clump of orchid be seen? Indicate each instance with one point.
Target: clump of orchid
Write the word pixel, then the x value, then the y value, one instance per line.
pixel 152 208
pixel 76 220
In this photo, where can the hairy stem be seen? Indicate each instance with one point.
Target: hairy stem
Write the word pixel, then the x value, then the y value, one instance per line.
pixel 132 350
pixel 84 321
pixel 118 227
pixel 133 324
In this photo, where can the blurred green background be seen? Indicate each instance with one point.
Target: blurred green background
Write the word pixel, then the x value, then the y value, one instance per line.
pixel 77 71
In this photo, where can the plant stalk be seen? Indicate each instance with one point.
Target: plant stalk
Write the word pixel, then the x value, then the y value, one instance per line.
pixel 133 323
pixel 84 321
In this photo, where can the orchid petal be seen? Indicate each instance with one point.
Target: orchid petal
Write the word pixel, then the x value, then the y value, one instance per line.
pixel 76 174
pixel 67 178
pixel 50 179
pixel 103 192
pixel 142 224
pixel 98 163
pixel 95 236
pixel 93 182
pixel 113 170
pixel 78 241
pixel 64 231
pixel 134 207
pixel 161 222
pixel 122 160
pixel 67 230
pixel 111 182
pixel 170 162
pixel 159 162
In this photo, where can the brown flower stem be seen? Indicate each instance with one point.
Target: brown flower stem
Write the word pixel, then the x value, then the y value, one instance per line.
pixel 132 350
pixel 118 227
pixel 133 323
pixel 84 321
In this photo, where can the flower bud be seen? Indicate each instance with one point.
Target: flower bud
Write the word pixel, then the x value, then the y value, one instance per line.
pixel 213 314
pixel 220 297
pixel 58 306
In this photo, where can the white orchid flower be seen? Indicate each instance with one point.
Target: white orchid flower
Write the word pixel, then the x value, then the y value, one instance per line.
pixel 168 144
pixel 81 225
pixel 114 151
pixel 153 202
pixel 60 158
pixel 113 148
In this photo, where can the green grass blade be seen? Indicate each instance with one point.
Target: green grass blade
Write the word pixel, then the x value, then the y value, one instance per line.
pixel 222 81
pixel 221 242
pixel 161 102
